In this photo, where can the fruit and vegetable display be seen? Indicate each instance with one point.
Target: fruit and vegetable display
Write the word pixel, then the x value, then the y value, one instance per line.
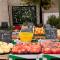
pixel 50 32
pixel 17 27
pixel 39 33
pixel 50 47
pixel 5 47
pixel 26 48
pixel 47 47
pixel 39 30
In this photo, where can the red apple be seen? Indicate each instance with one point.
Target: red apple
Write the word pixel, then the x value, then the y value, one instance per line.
pixel 14 50
pixel 56 50
pixel 46 50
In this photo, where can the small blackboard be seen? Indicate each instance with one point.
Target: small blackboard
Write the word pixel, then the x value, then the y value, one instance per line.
pixel 20 14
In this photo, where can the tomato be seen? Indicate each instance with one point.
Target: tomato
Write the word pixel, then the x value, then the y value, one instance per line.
pixel 46 50
pixel 56 50
pixel 35 48
pixel 19 51
pixel 27 48
pixel 17 27
pixel 14 50
pixel 14 36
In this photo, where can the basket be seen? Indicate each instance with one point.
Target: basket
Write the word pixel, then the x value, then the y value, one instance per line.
pixel 25 36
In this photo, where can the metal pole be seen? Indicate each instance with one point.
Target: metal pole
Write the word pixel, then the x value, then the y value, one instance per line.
pixel 41 21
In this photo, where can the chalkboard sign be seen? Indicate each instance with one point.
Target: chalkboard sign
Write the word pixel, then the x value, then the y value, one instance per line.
pixel 20 14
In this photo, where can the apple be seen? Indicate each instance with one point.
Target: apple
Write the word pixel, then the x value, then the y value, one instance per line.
pixel 55 50
pixel 46 50
pixel 35 48
pixel 27 48
pixel 14 50
pixel 19 51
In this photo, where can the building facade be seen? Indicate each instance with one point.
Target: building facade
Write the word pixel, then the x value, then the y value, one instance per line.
pixel 6 10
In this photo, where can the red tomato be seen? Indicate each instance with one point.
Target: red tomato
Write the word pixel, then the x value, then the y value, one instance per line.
pixel 35 48
pixel 46 50
pixel 14 50
pixel 56 50
pixel 17 27
pixel 19 51
pixel 14 36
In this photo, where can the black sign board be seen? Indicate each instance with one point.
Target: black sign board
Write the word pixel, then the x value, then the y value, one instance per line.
pixel 20 14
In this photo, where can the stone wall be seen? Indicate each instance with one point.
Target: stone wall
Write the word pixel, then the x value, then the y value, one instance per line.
pixel 7 17
pixel 3 11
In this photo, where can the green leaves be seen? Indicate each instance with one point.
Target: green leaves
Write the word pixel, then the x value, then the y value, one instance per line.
pixel 53 21
pixel 36 1
pixel 46 4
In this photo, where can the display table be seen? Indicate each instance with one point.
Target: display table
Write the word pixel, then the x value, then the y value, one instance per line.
pixel 50 56
pixel 26 56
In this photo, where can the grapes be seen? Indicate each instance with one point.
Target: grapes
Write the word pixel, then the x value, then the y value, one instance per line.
pixel 50 32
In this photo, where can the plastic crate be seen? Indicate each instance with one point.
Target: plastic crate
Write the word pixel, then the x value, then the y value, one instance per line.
pixel 25 57
pixel 51 57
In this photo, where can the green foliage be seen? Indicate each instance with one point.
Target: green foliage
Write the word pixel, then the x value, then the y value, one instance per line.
pixel 46 4
pixel 36 1
pixel 53 21
pixel 25 23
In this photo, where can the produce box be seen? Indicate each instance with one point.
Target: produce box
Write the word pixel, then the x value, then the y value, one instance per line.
pixel 27 57
pixel 39 33
pixel 38 36
pixel 50 47
pixel 27 48
pixel 51 57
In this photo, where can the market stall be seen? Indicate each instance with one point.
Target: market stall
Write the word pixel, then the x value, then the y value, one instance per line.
pixel 32 42
pixel 46 37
